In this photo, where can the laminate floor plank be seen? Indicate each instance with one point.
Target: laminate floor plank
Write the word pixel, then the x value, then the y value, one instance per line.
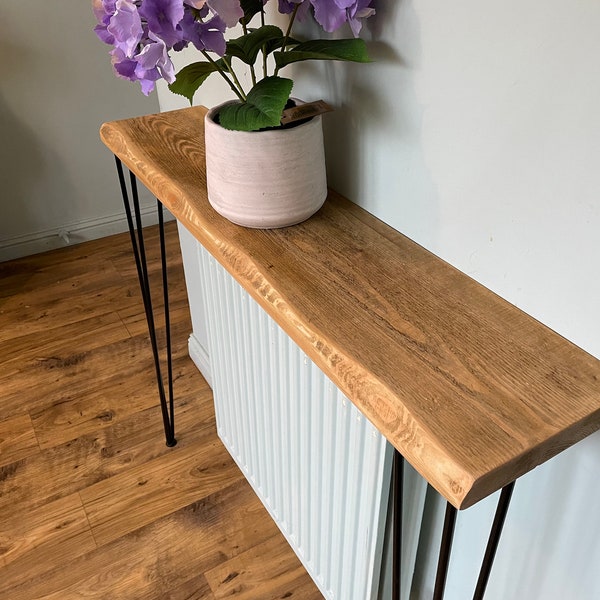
pixel 196 588
pixel 77 464
pixel 265 571
pixel 130 500
pixel 70 339
pixel 74 412
pixel 31 319
pixel 70 372
pixel 179 313
pixel 17 439
pixel 24 277
pixel 32 545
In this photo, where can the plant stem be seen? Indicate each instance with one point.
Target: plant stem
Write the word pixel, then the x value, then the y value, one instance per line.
pixel 264 48
pixel 252 71
pixel 288 32
pixel 289 29
pixel 234 77
pixel 238 92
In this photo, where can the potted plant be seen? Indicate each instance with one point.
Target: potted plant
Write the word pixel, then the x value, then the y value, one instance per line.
pixel 265 158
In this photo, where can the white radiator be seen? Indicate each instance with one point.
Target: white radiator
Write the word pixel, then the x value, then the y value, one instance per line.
pixel 319 467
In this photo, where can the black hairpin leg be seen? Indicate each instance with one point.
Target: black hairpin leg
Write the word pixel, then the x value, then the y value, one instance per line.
pixel 490 552
pixel 494 539
pixel 139 253
pixel 398 490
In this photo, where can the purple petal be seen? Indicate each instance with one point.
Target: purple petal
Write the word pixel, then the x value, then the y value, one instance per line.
pixel 230 11
pixel 328 14
pixel 153 56
pixel 286 7
pixel 147 86
pixel 128 68
pixel 361 10
pixel 212 34
pixel 208 35
pixel 103 10
pixel 124 67
pixel 163 16
pixel 332 14
pixel 344 3
pixel 103 35
pixel 126 27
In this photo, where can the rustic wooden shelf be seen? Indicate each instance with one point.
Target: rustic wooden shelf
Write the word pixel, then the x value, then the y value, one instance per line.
pixel 472 391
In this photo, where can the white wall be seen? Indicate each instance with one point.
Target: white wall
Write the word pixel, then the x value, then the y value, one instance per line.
pixel 476 132
pixel 56 89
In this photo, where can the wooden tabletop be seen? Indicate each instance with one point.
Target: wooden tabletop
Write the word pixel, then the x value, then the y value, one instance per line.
pixel 472 391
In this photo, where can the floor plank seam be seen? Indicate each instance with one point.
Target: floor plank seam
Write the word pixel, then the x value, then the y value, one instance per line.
pixel 35 434
pixel 87 518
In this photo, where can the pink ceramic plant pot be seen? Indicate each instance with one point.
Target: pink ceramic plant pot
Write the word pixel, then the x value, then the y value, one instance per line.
pixel 265 179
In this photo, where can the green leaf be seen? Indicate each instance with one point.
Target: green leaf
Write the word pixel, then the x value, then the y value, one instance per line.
pixel 354 50
pixel 247 47
pixel 263 107
pixel 250 8
pixel 190 78
pixel 273 45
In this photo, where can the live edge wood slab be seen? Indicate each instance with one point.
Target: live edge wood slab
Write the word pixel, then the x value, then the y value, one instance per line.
pixel 472 391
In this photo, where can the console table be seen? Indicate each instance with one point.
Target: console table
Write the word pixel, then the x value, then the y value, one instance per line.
pixel 470 390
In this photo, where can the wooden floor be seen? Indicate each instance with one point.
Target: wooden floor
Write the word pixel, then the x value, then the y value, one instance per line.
pixel 92 502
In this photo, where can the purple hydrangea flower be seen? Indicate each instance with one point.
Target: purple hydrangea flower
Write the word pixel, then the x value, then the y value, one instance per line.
pixel 143 32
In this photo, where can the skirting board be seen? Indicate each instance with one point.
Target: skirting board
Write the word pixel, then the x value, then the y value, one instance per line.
pixel 200 357
pixel 73 233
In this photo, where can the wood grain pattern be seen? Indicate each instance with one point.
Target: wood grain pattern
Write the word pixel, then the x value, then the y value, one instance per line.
pixel 161 561
pixel 132 499
pixel 17 439
pixel 72 415
pixel 471 390
pixel 59 528
pixel 84 386
pixel 265 571
pixel 96 456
